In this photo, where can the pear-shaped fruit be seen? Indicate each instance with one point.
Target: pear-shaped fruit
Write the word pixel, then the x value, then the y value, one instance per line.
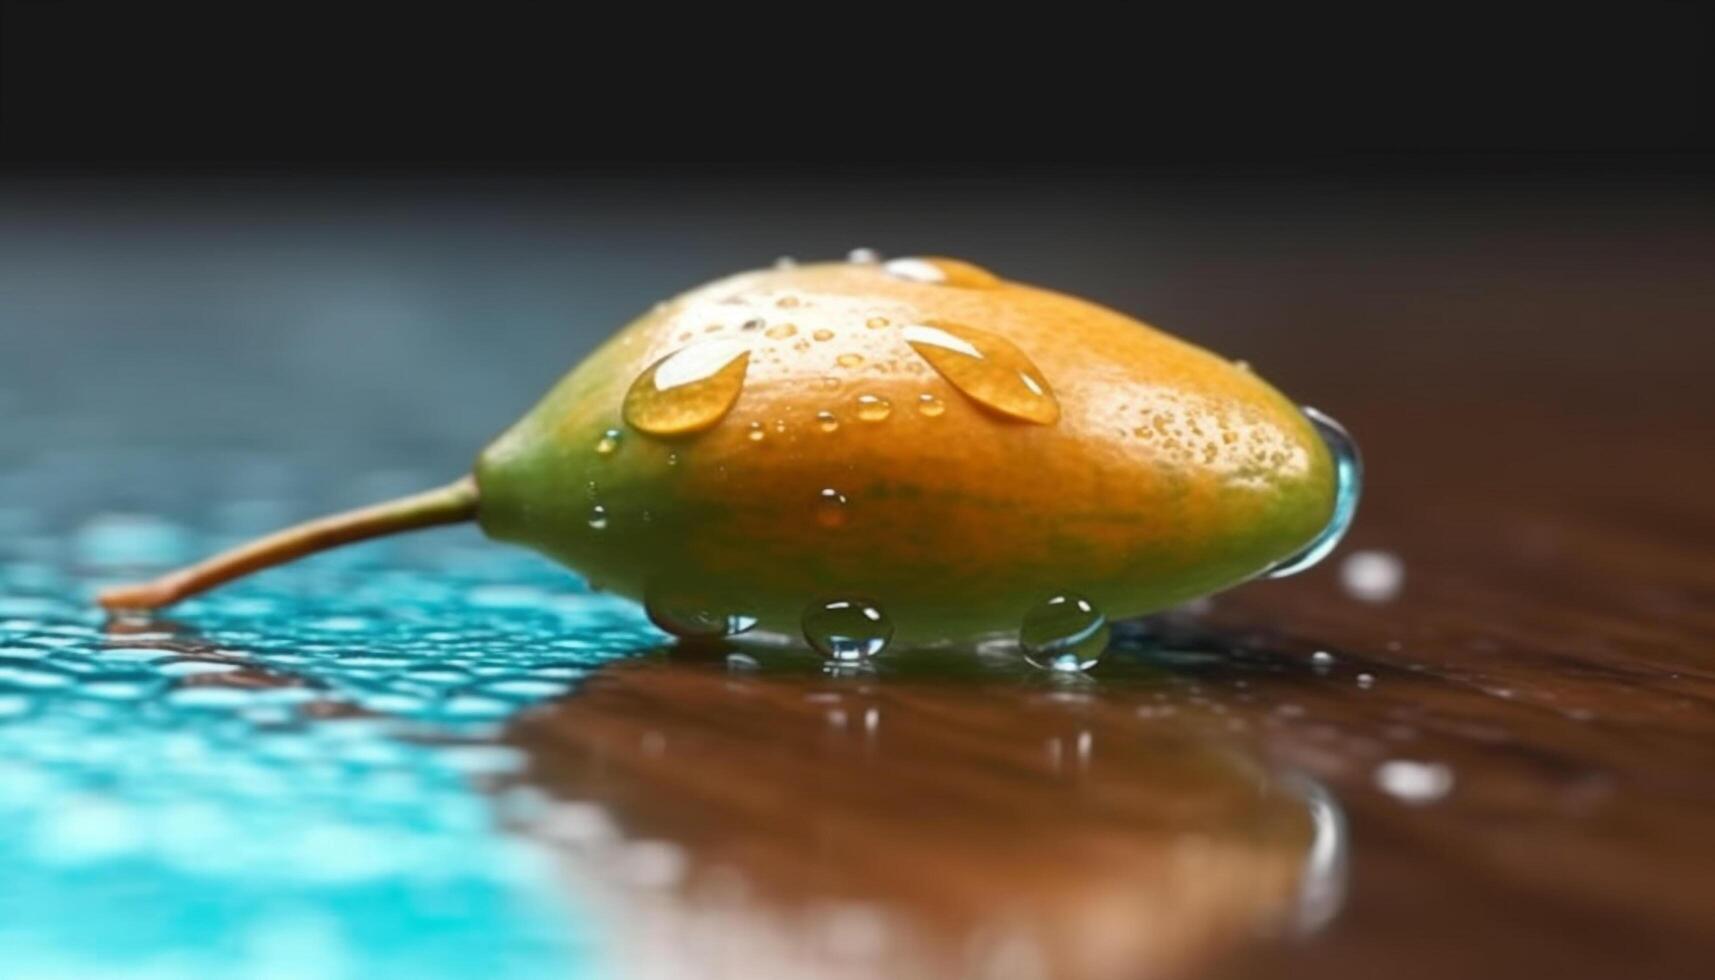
pixel 919 439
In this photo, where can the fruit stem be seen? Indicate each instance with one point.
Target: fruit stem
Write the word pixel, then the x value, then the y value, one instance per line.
pixel 450 504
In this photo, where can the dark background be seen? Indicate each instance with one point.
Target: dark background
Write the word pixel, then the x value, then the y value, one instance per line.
pixel 1408 90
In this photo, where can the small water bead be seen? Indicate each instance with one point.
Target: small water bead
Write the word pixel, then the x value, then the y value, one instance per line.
pixel 1412 782
pixel 941 272
pixel 847 630
pixel 988 369
pixel 756 432
pixel 873 408
pixel 831 508
pixel 787 302
pixel 598 517
pixel 694 617
pixel 1065 633
pixel 781 331
pixel 608 443
pixel 928 404
pixel 689 390
pixel 754 323
pixel 849 360
pixel 785 262
pixel 876 322
pixel 823 334
pixel 863 256
pixel 827 421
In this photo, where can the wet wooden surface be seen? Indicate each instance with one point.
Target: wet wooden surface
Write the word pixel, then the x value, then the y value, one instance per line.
pixel 1516 740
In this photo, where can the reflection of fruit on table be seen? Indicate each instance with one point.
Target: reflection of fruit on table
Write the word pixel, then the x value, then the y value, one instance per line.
pixel 784 824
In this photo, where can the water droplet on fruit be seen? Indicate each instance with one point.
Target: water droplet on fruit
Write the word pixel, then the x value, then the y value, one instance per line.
pixel 847 630
pixel 823 334
pixel 756 433
pixel 598 517
pixel 831 508
pixel 693 617
pixel 988 369
pixel 780 331
pixel 941 272
pixel 754 323
pixel 849 360
pixel 785 262
pixel 863 256
pixel 1065 633
pixel 689 390
pixel 873 408
pixel 929 405
pixel 827 421
pixel 875 322
pixel 608 443
pixel 786 302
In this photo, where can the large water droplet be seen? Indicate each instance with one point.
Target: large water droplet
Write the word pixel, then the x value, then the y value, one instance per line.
pixel 873 408
pixel 928 404
pixel 598 517
pixel 689 390
pixel 608 443
pixel 827 421
pixel 847 630
pixel 694 617
pixel 1348 487
pixel 941 272
pixel 1065 633
pixel 988 369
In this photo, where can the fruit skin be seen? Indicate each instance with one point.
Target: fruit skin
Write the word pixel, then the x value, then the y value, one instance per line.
pixel 1170 473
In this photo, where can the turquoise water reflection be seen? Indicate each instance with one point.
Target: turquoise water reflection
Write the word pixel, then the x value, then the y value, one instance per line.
pixel 287 778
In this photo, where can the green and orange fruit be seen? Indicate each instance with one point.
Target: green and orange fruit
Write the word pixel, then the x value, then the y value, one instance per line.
pixel 920 439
